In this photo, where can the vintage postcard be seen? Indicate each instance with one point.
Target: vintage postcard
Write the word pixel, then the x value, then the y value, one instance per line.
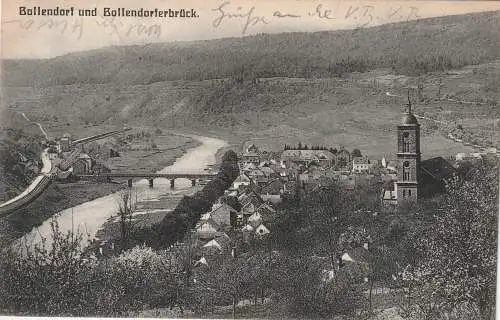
pixel 249 159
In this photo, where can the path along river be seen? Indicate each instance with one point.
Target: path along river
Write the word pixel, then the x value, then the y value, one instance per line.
pixel 89 217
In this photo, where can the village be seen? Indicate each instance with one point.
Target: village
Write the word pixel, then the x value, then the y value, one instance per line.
pixel 227 251
pixel 244 215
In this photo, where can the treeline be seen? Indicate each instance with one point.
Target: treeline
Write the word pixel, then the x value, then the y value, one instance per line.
pixel 306 147
pixel 413 47
pixel 300 146
pixel 189 210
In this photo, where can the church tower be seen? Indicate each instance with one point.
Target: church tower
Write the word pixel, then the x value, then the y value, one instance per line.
pixel 408 157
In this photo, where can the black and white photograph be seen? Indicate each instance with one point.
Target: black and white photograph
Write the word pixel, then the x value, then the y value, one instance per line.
pixel 251 159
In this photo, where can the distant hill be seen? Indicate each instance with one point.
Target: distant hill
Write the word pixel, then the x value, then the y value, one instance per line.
pixel 409 48
pixel 280 88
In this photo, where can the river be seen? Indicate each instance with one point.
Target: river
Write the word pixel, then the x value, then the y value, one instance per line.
pixel 89 217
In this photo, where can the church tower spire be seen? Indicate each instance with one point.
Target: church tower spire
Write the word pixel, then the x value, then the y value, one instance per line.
pixel 408 157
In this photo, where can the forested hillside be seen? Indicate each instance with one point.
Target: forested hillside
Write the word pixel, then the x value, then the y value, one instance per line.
pixel 321 87
pixel 410 48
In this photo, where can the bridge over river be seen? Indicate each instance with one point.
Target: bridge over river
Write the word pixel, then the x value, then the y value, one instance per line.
pixel 151 176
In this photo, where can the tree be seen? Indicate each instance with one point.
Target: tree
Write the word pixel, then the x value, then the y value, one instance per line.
pixel 356 153
pixel 228 281
pixel 126 208
pixel 231 201
pixel 46 279
pixel 299 286
pixel 459 250
pixel 329 212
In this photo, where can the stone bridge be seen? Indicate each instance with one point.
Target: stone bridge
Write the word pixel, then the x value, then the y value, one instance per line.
pixel 151 176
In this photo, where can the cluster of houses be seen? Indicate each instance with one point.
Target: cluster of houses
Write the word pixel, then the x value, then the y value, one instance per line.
pixel 60 150
pixel 473 156
pixel 266 179
pixel 65 156
pixel 305 168
pixel 245 218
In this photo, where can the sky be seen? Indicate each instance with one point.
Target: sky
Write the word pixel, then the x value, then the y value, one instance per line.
pixel 34 37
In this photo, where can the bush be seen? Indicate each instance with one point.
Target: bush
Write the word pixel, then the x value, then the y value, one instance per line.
pixel 61 280
pixel 43 280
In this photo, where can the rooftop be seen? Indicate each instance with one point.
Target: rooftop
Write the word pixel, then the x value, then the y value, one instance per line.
pixel 409 119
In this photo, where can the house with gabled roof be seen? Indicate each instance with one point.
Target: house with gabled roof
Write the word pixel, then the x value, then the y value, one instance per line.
pixel 248 209
pixel 201 262
pixel 321 157
pixel 258 176
pixel 242 180
pixel 273 187
pixel 207 229
pixel 250 196
pixel 247 228
pixel 312 174
pixel 251 154
pixel 266 209
pixel 255 220
pixel 219 244
pixel 247 232
pixel 222 214
pixel 211 247
pixel 262 230
pixel 433 175
pixel 363 164
pixel 273 191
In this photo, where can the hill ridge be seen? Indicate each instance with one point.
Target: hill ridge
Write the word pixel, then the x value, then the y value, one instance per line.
pixel 412 47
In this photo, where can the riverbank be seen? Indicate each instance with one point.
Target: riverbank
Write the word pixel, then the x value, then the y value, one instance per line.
pixel 57 197
pixel 152 210
pixel 60 196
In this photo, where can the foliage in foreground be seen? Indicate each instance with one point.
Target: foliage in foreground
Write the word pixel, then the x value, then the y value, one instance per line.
pixel 457 270
pixel 61 279
pixel 454 273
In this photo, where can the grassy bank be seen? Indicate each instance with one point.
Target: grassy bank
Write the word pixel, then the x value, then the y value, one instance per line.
pixel 61 196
